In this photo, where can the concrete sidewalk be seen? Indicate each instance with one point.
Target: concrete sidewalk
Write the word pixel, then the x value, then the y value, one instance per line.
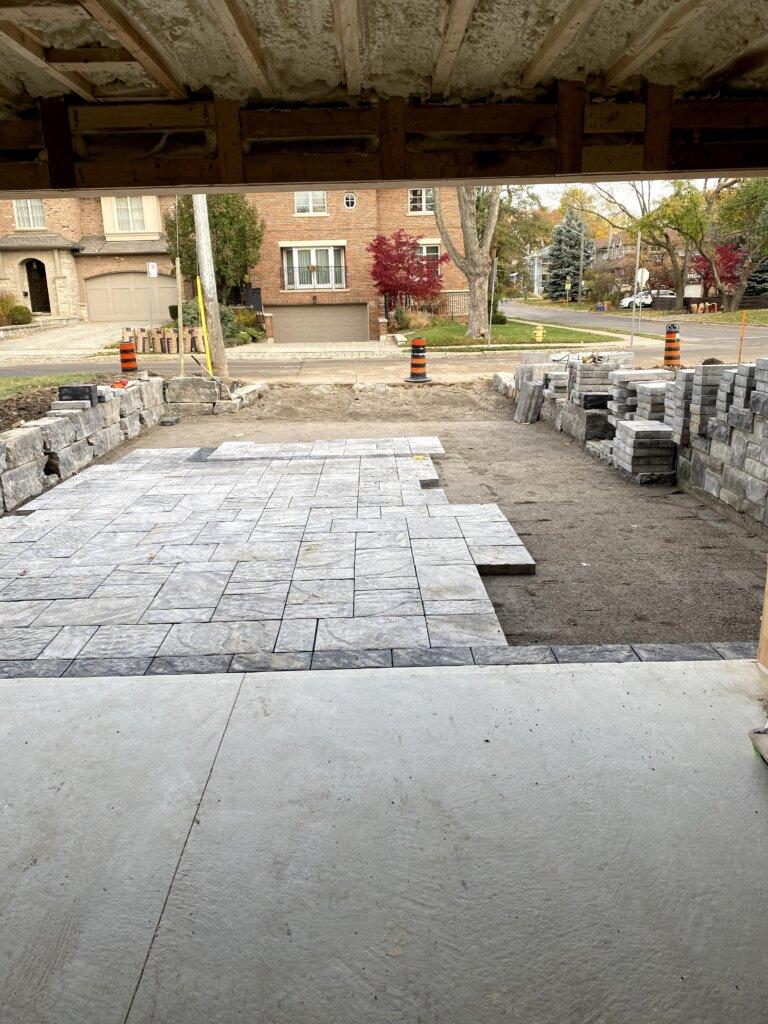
pixel 547 844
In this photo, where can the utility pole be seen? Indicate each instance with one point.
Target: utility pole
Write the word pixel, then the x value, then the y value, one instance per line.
pixel 208 281
pixel 581 262
pixel 635 285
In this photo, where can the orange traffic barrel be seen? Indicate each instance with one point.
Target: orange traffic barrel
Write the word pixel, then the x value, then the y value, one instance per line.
pixel 672 345
pixel 128 362
pixel 418 362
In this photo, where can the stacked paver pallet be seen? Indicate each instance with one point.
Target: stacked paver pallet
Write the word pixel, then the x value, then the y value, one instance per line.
pixel 706 383
pixel 728 457
pixel 677 406
pixel 591 385
pixel 623 403
pixel 645 450
pixel 651 396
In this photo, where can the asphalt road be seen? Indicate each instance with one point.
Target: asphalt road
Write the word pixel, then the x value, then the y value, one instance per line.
pixel 699 340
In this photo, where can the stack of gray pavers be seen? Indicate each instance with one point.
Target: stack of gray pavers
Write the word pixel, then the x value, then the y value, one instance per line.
pixel 725 395
pixel 730 460
pixel 706 383
pixel 591 387
pixel 677 405
pixel 555 384
pixel 645 450
pixel 529 401
pixel 740 412
pixel 651 396
pixel 623 404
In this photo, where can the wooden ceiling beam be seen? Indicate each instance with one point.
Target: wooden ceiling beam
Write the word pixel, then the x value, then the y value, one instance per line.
pixel 89 55
pixel 240 27
pixel 114 21
pixel 347 24
pixel 571 101
pixel 647 43
pixel 27 46
pixel 557 40
pixel 456 24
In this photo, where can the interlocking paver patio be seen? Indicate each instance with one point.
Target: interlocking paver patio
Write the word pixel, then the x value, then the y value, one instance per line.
pixel 251 557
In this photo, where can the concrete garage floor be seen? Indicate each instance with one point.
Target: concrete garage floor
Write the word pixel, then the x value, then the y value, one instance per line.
pixel 616 563
pixel 548 844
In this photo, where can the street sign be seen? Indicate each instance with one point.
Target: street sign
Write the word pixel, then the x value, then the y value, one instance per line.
pixel 152 269
pixel 642 277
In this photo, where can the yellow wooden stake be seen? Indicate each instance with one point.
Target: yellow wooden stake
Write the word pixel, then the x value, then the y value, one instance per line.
pixel 203 324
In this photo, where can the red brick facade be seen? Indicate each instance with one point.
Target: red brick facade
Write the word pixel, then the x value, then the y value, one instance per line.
pixel 376 211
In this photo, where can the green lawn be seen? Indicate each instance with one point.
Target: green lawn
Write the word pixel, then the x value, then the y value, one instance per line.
pixel 10 387
pixel 756 317
pixel 449 333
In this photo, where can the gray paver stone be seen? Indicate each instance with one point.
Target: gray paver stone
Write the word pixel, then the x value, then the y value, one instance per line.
pixel 419 657
pixel 48 668
pixel 85 667
pixel 289 661
pixel 351 659
pixel 183 665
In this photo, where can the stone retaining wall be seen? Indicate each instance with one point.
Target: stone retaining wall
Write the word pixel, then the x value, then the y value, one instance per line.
pixel 41 453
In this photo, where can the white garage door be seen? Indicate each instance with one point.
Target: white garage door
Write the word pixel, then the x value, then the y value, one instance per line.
pixel 130 297
pixel 323 324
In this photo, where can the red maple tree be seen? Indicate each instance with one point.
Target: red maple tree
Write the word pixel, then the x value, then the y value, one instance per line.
pixel 728 260
pixel 402 275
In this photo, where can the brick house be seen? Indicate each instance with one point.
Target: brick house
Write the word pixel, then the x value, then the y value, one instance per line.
pixel 86 259
pixel 314 271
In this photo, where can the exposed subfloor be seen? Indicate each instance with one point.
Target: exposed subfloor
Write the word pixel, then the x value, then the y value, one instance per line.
pixel 615 563
pixel 545 845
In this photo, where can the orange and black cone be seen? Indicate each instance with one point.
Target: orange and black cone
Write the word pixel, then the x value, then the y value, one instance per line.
pixel 418 362
pixel 128 362
pixel 672 345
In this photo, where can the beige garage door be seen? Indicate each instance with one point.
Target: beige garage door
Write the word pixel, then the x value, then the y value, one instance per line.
pixel 130 297
pixel 320 324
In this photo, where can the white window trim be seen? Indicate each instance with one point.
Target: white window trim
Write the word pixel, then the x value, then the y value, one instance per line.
pixel 313 286
pixel 419 213
pixel 311 213
pixel 32 227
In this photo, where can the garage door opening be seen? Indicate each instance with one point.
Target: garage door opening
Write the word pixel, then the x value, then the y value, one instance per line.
pixel 323 325
pixel 130 297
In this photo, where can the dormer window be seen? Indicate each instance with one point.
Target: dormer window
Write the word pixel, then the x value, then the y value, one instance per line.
pixel 129 213
pixel 29 213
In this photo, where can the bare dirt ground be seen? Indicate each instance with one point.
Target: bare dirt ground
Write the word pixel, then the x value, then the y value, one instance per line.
pixel 616 563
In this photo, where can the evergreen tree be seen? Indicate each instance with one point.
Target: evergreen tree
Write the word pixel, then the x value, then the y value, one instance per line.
pixel 758 280
pixel 564 255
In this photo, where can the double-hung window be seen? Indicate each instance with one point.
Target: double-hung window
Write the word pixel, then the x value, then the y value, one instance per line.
pixel 314 267
pixel 129 213
pixel 29 213
pixel 309 204
pixel 430 251
pixel 421 200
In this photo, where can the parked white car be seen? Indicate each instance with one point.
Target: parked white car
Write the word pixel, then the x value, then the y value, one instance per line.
pixel 646 298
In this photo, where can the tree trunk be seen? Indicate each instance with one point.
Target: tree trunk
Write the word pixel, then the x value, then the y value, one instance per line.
pixel 208 282
pixel 477 322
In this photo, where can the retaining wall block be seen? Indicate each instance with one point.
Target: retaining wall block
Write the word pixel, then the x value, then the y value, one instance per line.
pixel 109 411
pixel 85 422
pixel 23 482
pixel 130 400
pixel 3 460
pixel 105 440
pixel 250 393
pixel 70 460
pixel 130 425
pixel 151 392
pixel 227 405
pixel 58 432
pixel 151 416
pixel 191 390
pixel 22 445
pixel 191 408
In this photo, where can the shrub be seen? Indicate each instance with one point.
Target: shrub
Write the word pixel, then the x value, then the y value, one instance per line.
pixel 245 316
pixel 229 325
pixel 402 320
pixel 7 302
pixel 20 315
pixel 420 321
pixel 499 318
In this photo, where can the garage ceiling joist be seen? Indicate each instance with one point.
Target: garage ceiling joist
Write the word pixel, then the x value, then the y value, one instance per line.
pixel 456 24
pixel 28 47
pixel 346 18
pixel 560 36
pixel 241 30
pixel 653 38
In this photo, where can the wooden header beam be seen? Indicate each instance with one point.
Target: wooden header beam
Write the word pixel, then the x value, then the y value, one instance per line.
pixel 218 143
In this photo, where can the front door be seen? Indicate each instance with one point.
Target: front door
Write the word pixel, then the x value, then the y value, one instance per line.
pixel 37 284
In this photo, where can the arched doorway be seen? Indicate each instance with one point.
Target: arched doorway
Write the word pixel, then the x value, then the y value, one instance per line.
pixel 37 286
